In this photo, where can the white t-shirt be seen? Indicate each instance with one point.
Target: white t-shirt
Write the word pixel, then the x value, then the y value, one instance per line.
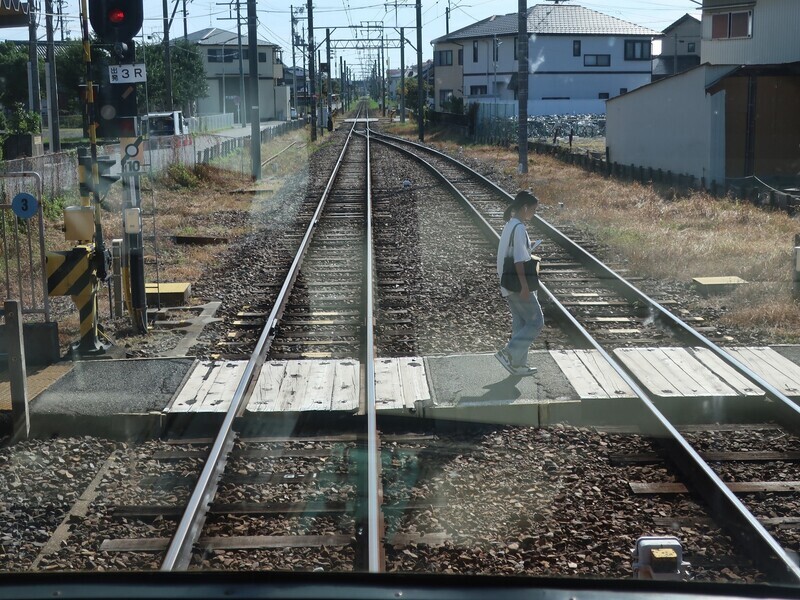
pixel 522 247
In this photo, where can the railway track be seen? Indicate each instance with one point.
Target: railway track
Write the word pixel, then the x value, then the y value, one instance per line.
pixel 326 495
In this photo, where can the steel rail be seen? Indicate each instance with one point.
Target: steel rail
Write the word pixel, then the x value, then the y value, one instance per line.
pixel 179 552
pixel 758 542
pixel 374 522
pixel 785 406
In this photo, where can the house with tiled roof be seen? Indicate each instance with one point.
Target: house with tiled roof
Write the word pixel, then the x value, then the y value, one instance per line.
pixel 578 59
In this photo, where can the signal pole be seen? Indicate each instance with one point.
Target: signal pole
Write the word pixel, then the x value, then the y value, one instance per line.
pixel 52 102
pixel 420 90
pixel 402 74
pixel 522 84
pixel 255 117
pixel 312 72
pixel 167 59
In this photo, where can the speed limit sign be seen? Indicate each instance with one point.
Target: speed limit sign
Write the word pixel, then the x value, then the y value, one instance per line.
pixel 133 154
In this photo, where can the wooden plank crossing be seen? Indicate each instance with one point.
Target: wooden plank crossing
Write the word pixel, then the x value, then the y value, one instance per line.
pixel 307 385
pixel 773 367
pixel 209 388
pixel 591 375
pixel 400 383
pixel 685 373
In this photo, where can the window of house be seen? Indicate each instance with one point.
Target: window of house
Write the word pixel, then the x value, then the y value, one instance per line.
pixel 597 60
pixel 516 50
pixel 443 58
pixel 475 51
pixel 690 47
pixel 576 48
pixel 603 95
pixel 445 96
pixel 623 91
pixel 732 25
pixel 230 55
pixel 262 57
pixel 214 55
pixel 477 90
pixel 637 50
pixel 460 56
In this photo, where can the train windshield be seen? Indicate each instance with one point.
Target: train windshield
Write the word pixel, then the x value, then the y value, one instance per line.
pixel 416 295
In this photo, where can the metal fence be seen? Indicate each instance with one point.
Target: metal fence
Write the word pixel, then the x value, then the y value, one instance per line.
pixel 59 173
pixel 22 245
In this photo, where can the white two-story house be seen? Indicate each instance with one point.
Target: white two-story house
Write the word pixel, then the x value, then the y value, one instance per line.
pixel 578 59
pixel 733 117
pixel 220 51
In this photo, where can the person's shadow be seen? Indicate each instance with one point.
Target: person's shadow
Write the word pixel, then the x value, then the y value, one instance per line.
pixel 503 391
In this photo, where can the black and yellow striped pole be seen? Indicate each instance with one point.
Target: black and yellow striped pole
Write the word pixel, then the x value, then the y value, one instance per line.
pixel 70 273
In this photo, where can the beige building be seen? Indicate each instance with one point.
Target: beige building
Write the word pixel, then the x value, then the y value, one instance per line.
pixel 220 51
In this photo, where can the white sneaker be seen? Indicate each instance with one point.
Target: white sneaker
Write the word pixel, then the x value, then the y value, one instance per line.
pixel 505 360
pixel 523 371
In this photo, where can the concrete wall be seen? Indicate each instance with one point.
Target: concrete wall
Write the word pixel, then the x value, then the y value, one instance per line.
pixel 666 125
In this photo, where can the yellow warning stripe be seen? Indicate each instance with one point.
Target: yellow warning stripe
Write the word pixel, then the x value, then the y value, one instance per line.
pixel 63 287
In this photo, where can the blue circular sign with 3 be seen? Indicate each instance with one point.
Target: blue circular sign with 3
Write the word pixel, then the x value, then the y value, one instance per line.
pixel 24 205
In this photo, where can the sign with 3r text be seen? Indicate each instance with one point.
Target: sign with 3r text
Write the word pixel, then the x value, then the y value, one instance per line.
pixel 127 74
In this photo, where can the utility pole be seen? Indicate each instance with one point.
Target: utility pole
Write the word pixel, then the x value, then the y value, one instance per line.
pixel 522 84
pixel 294 63
pixel 402 74
pixel 420 87
pixel 341 82
pixel 330 73
pixel 255 117
pixel 52 96
pixel 242 113
pixel 33 60
pixel 383 75
pixel 447 19
pixel 311 72
pixel 320 104
pixel 186 17
pixel 167 59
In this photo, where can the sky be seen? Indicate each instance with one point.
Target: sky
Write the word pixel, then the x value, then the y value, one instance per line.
pixel 275 20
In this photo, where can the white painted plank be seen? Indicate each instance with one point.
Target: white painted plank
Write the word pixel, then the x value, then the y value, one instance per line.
pixel 187 396
pixel 265 394
pixel 388 386
pixel 647 371
pixel 712 385
pixel 774 368
pixel 578 375
pixel 607 378
pixel 686 385
pixel 319 387
pixel 293 385
pixel 738 382
pixel 414 380
pixel 346 387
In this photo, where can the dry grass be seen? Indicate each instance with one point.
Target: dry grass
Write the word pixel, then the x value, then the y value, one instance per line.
pixel 664 235
pixel 197 201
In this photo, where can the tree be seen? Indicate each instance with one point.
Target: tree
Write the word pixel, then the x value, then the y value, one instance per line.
pixel 14 74
pixel 411 92
pixel 71 72
pixel 188 76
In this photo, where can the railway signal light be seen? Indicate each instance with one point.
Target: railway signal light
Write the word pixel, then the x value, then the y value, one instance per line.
pixel 105 178
pixel 116 21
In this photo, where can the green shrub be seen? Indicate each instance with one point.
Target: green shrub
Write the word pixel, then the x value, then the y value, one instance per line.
pixel 179 175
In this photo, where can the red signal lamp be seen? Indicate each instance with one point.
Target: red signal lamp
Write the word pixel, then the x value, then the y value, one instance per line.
pixel 116 15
